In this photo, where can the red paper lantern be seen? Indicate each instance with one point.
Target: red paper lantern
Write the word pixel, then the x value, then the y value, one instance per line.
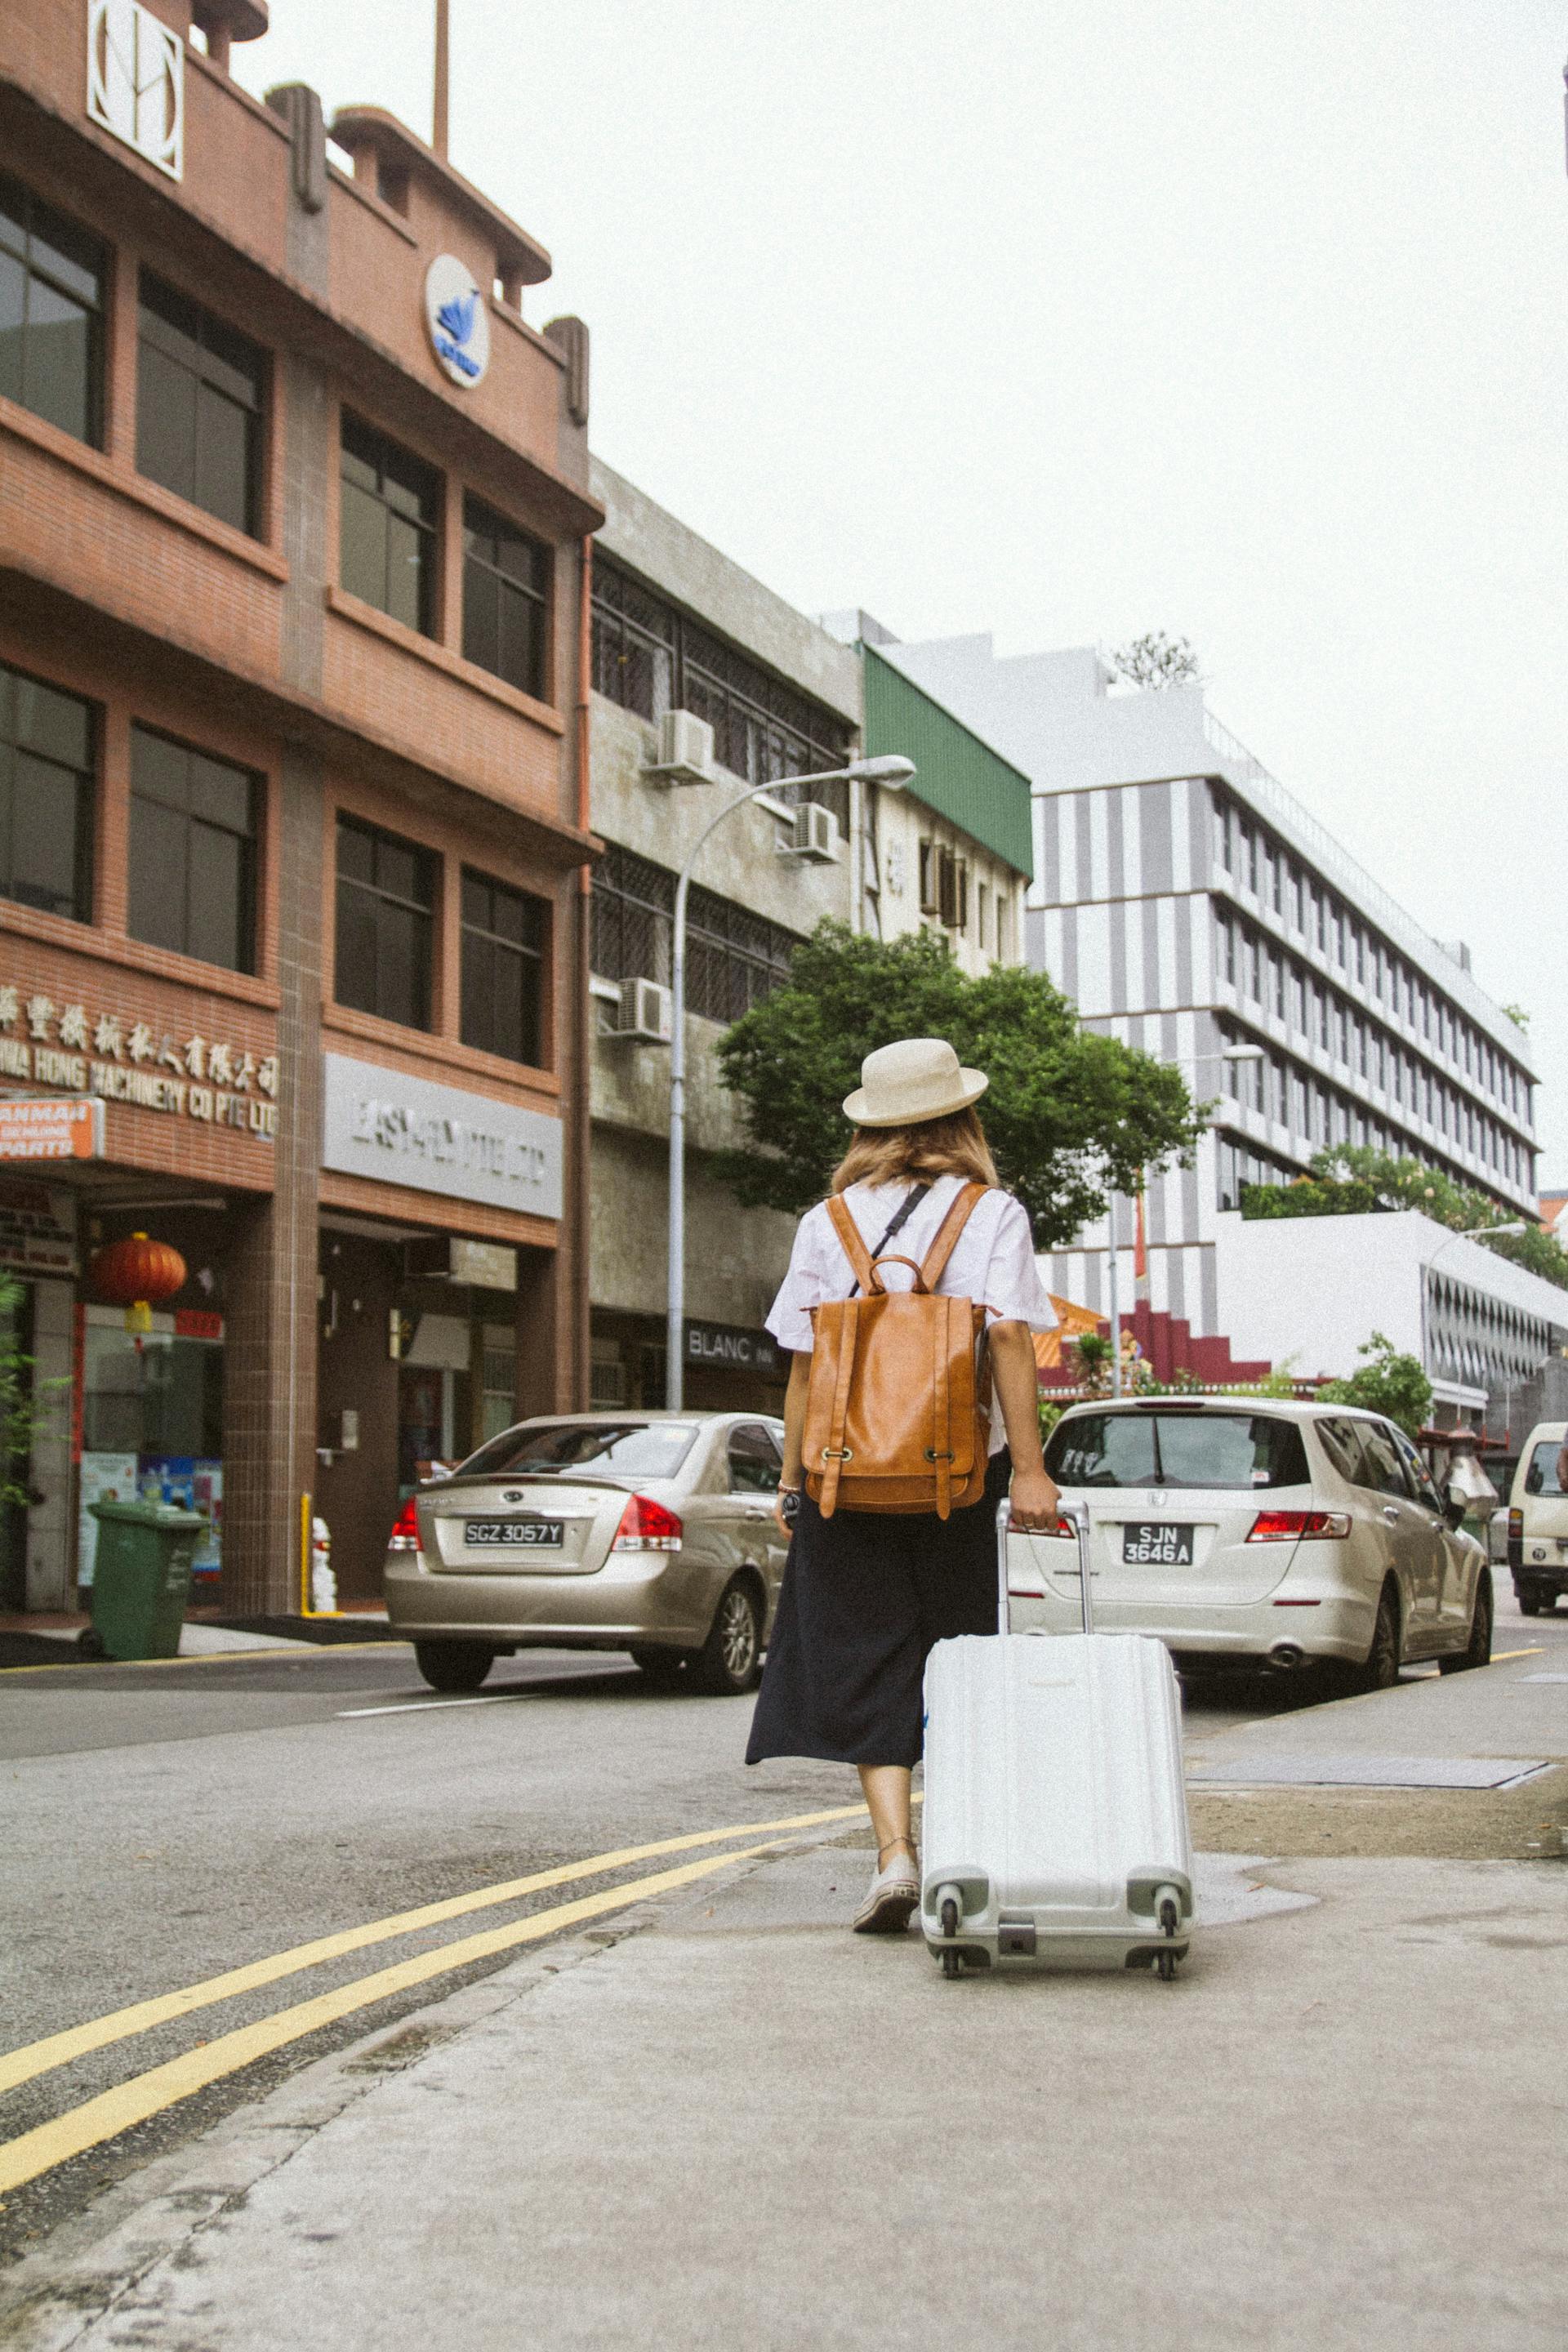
pixel 137 1273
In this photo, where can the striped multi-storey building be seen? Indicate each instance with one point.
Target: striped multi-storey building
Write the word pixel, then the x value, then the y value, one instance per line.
pixel 1189 905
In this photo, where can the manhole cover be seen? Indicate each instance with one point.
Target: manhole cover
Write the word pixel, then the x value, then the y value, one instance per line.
pixel 1372 1771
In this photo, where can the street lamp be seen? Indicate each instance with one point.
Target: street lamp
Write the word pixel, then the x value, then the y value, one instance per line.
pixel 892 774
pixel 1113 1261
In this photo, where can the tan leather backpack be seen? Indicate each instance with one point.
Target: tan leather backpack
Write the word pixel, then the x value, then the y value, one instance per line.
pixel 898 1411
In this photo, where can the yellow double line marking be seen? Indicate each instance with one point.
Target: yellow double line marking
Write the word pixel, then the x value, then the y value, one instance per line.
pixel 148 2093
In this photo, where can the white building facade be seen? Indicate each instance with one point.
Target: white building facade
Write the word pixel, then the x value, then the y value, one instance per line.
pixel 1188 904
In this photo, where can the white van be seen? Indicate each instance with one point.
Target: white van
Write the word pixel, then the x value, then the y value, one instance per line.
pixel 1538 1520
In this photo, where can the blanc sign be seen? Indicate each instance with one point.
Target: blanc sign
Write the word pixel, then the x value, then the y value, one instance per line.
pixel 401 1130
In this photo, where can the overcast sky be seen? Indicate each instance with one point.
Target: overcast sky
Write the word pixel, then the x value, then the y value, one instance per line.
pixel 1235 317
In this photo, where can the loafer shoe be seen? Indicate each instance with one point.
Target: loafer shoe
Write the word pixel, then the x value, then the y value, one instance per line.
pixel 892 1897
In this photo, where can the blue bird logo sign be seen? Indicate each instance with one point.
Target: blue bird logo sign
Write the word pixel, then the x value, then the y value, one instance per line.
pixel 457 321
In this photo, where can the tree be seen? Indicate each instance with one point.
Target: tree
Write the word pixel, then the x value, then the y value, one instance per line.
pixel 1519 1016
pixel 1387 1383
pixel 1351 1180
pixel 20 1416
pixel 1067 1110
pixel 1157 660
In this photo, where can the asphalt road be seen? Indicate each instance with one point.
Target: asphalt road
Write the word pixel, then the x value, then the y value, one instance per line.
pixel 166 1823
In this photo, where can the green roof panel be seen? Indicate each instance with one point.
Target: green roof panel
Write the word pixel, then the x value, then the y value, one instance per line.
pixel 957 774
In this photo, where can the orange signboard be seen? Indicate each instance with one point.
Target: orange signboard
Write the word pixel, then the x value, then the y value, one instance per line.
pixel 51 1130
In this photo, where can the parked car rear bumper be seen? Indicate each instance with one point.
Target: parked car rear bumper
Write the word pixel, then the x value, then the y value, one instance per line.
pixel 1250 1632
pixel 634 1598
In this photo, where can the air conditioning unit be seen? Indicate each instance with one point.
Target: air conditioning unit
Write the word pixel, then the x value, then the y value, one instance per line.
pixel 685 751
pixel 643 1012
pixel 815 841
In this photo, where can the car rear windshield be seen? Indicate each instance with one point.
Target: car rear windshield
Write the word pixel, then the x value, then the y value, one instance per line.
pixel 1541 1478
pixel 1246 1450
pixel 617 1449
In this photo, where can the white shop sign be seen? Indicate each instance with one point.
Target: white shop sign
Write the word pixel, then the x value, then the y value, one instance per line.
pixel 401 1130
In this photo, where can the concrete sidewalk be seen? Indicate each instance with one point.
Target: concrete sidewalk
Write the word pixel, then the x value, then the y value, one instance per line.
pixel 730 2123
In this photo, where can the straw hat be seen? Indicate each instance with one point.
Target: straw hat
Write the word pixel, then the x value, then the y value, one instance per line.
pixel 919 1078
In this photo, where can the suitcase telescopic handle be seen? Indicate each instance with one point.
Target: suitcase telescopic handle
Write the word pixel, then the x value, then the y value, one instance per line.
pixel 1076 1516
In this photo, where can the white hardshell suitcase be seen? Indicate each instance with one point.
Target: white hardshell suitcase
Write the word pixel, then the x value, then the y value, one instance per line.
pixel 1056 1812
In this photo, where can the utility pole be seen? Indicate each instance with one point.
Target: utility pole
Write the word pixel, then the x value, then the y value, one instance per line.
pixel 443 71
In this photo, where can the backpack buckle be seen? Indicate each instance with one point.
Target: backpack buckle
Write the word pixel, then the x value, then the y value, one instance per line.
pixel 837 1453
pixel 933 1455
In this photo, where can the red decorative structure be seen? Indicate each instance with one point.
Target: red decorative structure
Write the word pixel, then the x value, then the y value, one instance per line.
pixel 137 1274
pixel 1169 1346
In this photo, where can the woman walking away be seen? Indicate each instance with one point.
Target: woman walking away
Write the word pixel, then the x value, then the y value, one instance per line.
pixel 881 1567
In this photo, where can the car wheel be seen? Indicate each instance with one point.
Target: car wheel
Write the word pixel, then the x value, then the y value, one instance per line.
pixel 1381 1671
pixel 453 1665
pixel 730 1662
pixel 1531 1599
pixel 1478 1650
pixel 665 1669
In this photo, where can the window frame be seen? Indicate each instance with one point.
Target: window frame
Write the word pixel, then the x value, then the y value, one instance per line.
pixel 31 209
pixel 352 427
pixel 249 911
pixel 482 520
pixel 534 958
pixel 431 860
pixel 85 820
pixel 207 379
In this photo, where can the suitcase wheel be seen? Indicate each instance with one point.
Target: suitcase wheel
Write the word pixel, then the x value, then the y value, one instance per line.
pixel 951 1961
pixel 1170 1921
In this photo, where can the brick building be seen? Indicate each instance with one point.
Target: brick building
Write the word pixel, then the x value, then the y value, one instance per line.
pixel 294 509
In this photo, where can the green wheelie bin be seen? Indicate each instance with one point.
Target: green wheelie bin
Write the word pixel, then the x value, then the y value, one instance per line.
pixel 141 1580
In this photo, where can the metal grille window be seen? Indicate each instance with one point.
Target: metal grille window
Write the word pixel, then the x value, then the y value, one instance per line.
pixel 51 314
pixel 46 760
pixel 386 924
pixel 503 968
pixel 387 528
pixel 506 581
pixel 733 958
pixel 650 658
pixel 193 852
pixel 198 406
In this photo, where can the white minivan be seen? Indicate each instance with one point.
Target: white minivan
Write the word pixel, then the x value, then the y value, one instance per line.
pixel 1537 1520
pixel 1258 1532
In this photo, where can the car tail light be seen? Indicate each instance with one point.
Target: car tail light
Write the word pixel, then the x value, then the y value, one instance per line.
pixel 1291 1526
pixel 1516 1523
pixel 405 1536
pixel 646 1526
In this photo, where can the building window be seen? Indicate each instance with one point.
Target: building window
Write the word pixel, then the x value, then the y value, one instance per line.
pixel 46 760
pixel 650 657
pixel 198 406
pixel 734 959
pixel 193 852
pixel 506 580
pixel 51 315
pixel 387 533
pixel 503 965
pixel 386 924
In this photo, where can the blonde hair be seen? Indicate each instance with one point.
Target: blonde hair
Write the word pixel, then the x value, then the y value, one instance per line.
pixel 953 1146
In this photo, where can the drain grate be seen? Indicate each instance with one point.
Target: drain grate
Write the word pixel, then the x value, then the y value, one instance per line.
pixel 1347 1771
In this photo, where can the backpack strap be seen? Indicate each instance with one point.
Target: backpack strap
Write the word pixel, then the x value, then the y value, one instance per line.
pixel 952 1224
pixel 848 1233
pixel 835 1454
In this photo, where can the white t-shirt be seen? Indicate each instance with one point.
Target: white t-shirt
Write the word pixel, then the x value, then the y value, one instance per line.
pixel 993 1261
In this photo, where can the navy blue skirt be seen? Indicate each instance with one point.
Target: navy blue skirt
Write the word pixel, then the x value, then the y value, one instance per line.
pixel 865 1595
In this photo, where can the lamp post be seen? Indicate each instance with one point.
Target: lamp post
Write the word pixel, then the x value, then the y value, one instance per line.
pixel 1113 1261
pixel 893 773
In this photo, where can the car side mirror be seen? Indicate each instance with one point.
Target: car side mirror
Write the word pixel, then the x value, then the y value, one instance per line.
pixel 1454 1511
